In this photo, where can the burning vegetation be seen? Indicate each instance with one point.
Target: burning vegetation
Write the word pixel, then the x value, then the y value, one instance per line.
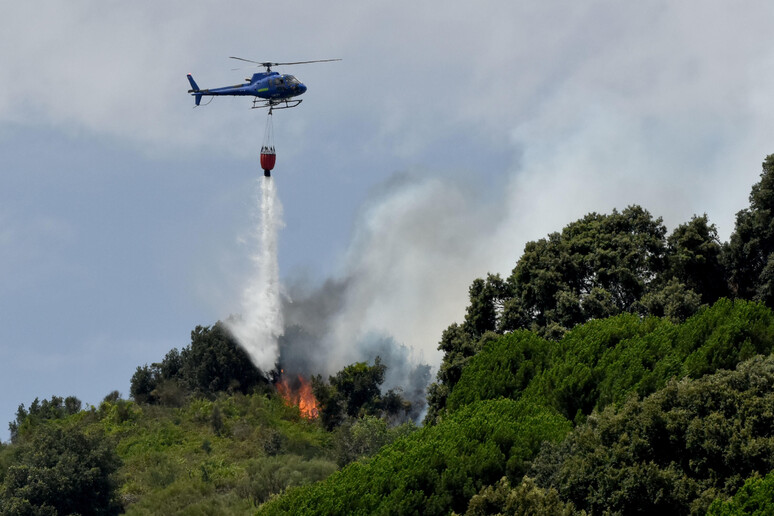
pixel 297 392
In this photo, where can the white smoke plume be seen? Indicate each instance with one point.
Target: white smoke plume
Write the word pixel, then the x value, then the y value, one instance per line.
pixel 417 246
pixel 260 324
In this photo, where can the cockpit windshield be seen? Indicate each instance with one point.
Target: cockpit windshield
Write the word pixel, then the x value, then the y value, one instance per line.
pixel 289 79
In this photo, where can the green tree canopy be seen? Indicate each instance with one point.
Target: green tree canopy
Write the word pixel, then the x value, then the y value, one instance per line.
pixel 61 471
pixel 754 498
pixel 752 243
pixel 41 411
pixel 213 362
pixel 596 267
pixel 609 258
pixel 694 258
pixel 436 469
pixel 354 392
pixel 604 361
pixel 672 452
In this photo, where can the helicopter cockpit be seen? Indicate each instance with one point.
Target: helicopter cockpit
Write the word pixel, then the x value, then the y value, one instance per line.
pixel 285 80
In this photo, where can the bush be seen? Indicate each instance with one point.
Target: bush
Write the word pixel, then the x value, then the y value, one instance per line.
pixel 525 498
pixel 605 361
pixel 272 475
pixel 503 368
pixel 436 469
pixel 672 452
pixel 754 498
pixel 61 472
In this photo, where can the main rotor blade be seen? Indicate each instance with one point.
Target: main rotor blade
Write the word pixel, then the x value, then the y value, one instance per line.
pixel 267 65
pixel 305 62
pixel 283 64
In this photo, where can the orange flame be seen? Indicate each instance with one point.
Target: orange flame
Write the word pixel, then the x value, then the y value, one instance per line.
pixel 302 397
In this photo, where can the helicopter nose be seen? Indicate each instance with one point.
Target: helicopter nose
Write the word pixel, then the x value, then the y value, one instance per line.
pixel 301 88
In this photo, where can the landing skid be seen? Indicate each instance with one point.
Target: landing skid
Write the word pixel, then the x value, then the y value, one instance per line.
pixel 276 104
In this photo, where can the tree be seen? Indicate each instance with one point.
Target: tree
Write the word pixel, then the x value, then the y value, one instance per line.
pixel 525 498
pixel 598 266
pixel 359 386
pixel 694 258
pixel 215 362
pixel 355 392
pixel 672 452
pixel 458 347
pixel 483 312
pixel 604 265
pixel 504 368
pixel 752 242
pixel 674 301
pixel 42 411
pixel 436 469
pixel 754 498
pixel 611 259
pixel 171 366
pixel 61 471
pixel 330 405
pixel 143 384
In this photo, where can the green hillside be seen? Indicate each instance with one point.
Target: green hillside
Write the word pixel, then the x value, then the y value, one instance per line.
pixel 652 425
pixel 207 457
pixel 618 370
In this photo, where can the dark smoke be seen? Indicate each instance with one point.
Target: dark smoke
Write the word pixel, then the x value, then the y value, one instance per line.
pixel 307 346
pixel 307 314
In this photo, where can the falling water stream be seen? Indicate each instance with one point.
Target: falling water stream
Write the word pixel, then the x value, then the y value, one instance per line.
pixel 260 325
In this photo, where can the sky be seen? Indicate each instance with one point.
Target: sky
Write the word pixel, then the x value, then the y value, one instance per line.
pixel 450 134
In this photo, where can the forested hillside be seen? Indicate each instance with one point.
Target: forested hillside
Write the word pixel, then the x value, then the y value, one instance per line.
pixel 619 369
pixel 624 413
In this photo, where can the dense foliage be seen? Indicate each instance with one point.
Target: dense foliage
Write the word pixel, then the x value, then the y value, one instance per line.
pixel 436 469
pixel 60 471
pixel 221 456
pixel 525 498
pixel 603 361
pixel 645 440
pixel 41 411
pixel 755 498
pixel 604 265
pixel 672 452
pixel 750 252
pixel 355 392
pixel 213 362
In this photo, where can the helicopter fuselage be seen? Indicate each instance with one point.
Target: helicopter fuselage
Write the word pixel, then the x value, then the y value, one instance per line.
pixel 273 87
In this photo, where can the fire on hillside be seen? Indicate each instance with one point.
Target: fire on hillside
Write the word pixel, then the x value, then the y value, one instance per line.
pixel 298 393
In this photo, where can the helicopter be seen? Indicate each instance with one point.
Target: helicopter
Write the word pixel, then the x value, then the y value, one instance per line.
pixel 271 89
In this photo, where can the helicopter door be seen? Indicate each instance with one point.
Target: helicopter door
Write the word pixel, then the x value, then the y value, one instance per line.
pixel 278 85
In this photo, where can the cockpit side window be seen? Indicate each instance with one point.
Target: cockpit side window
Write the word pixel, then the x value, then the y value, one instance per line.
pixel 291 80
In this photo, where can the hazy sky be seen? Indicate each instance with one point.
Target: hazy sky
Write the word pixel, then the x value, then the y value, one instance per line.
pixel 450 134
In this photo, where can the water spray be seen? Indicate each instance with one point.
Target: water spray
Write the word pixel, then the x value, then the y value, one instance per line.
pixel 261 325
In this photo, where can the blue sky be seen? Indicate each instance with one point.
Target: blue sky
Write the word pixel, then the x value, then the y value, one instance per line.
pixel 450 134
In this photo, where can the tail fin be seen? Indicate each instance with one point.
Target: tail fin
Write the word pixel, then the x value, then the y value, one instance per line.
pixel 194 89
pixel 193 84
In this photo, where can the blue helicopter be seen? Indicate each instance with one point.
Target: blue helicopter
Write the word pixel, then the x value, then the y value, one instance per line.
pixel 271 89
